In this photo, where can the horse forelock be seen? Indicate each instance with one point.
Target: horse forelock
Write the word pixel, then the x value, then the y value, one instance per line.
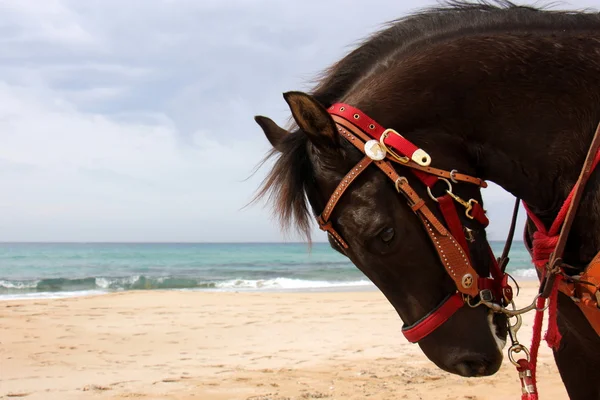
pixel 288 182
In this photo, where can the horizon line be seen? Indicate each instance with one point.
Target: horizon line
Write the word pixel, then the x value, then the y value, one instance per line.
pixel 176 242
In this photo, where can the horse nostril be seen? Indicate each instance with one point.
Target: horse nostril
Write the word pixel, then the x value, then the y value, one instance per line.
pixel 470 368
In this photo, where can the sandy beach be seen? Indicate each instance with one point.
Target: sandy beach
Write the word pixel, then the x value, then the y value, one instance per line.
pixel 259 346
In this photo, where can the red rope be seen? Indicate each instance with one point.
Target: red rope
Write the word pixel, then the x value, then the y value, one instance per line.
pixel 537 334
pixel 544 244
pixel 553 336
pixel 527 381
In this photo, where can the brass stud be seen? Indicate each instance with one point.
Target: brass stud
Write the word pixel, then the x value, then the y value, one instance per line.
pixel 467 281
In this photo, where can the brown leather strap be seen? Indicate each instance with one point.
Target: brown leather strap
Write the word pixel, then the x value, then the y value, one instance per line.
pixel 586 171
pixel 326 226
pixel 342 123
pixel 586 291
pixel 453 257
pixel 453 175
pixel 451 254
pixel 323 219
pixel 343 185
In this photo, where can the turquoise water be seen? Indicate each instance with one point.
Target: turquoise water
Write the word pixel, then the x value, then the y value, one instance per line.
pixel 69 269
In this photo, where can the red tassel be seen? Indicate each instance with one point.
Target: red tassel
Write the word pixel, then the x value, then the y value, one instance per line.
pixel 553 336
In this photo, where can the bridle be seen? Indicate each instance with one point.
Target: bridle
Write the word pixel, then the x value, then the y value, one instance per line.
pixel 382 147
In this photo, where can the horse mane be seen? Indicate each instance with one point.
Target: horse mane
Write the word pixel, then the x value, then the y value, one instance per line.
pixel 291 181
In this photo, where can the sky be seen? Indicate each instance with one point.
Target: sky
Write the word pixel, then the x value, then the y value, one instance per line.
pixel 132 121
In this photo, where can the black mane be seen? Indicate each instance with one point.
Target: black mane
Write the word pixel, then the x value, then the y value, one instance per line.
pixel 292 178
pixel 452 19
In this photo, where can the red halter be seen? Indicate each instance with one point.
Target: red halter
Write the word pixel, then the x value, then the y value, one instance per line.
pixel 381 147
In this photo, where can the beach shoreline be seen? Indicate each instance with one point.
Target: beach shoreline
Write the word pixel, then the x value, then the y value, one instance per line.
pixel 167 344
pixel 351 288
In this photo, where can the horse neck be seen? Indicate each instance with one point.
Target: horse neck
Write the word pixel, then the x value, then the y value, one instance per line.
pixel 543 179
pixel 523 121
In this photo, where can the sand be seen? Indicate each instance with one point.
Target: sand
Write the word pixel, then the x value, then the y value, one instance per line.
pixel 259 346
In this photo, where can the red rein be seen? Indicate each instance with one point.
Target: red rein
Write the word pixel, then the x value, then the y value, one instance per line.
pixel 544 244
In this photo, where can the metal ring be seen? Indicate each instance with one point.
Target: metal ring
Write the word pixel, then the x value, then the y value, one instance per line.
pixel 453 175
pixel 449 190
pixel 517 348
pixel 467 300
pixel 397 183
pixel 517 325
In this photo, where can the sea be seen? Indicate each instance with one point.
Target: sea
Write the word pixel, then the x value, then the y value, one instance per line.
pixel 53 270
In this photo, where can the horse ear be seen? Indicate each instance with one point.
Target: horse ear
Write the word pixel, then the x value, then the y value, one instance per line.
pixel 273 132
pixel 313 119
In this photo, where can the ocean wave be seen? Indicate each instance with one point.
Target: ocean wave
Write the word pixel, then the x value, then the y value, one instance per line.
pixel 286 283
pixel 528 273
pixel 10 288
pixel 49 295
pixel 136 282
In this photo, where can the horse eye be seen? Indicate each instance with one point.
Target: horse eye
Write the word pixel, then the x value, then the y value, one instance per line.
pixel 387 235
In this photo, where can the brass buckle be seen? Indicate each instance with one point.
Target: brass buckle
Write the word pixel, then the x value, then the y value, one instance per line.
pixel 468 205
pixel 419 156
pixel 384 135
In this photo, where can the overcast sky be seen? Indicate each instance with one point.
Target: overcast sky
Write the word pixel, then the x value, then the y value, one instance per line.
pixel 133 120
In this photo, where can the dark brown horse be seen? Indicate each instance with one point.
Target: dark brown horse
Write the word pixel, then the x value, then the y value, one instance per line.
pixel 505 93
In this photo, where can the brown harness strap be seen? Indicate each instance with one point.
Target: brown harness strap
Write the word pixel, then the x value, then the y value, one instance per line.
pixel 451 254
pixel 585 291
pixel 323 219
pixel 555 259
pixel 453 175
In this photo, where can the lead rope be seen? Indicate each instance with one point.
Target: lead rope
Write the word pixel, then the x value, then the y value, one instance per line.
pixel 525 366
pixel 548 247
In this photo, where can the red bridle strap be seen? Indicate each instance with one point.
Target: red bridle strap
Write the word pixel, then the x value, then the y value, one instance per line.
pixel 450 243
pixel 434 319
pixel 450 252
pixel 344 113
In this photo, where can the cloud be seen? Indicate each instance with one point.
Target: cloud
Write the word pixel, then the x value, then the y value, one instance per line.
pixel 76 176
pixel 134 120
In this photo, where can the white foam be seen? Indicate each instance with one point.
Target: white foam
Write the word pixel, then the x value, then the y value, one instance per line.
pixel 525 273
pixel 50 295
pixel 286 283
pixel 110 283
pixel 17 284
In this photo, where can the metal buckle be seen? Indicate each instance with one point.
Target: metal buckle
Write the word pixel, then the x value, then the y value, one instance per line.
pixel 384 135
pixel 468 205
pixel 486 295
pixel 419 156
pixel 517 348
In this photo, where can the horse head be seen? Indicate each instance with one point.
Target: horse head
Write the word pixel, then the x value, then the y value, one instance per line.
pixel 382 224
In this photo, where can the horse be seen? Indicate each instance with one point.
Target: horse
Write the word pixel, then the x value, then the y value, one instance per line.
pixel 471 93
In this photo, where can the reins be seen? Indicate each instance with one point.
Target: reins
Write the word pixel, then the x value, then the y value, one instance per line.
pixel 548 249
pixel 385 147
